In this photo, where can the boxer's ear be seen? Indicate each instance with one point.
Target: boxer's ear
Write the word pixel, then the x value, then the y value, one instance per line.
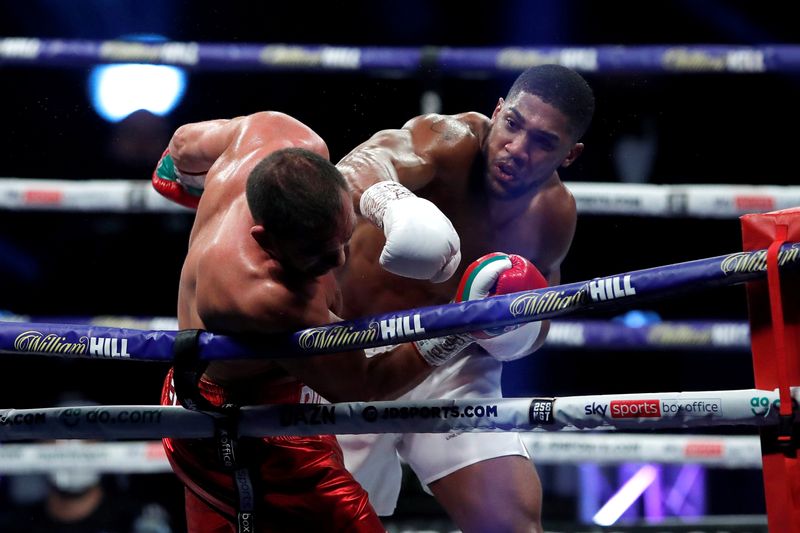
pixel 261 236
pixel 573 154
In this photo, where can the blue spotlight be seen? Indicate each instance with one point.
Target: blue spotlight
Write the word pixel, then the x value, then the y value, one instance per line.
pixel 636 318
pixel 119 90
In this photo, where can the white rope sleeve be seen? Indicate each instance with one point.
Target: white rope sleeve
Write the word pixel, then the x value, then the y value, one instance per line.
pixel 712 201
pixel 123 196
pixel 594 198
pixel 567 447
pixel 117 457
pixel 751 407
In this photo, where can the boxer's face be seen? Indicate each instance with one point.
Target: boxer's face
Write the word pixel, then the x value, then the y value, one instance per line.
pixel 528 140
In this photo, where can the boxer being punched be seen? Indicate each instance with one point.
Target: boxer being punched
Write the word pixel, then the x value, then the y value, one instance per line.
pixel 495 179
pixel 273 219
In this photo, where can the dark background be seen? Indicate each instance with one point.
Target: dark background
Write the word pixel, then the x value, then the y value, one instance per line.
pixel 727 128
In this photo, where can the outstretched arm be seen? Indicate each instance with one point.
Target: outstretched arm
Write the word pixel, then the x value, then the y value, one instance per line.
pixel 343 376
pixel 352 376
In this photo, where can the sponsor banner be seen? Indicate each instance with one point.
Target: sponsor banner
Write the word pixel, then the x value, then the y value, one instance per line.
pixel 103 422
pixel 541 411
pixel 118 196
pixel 615 198
pixel 72 340
pixel 669 335
pixel 684 409
pixel 546 448
pixel 434 416
pixel 750 407
pixel 736 200
pixel 592 198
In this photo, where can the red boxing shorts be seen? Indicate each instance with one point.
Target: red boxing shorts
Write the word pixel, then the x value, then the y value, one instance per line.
pixel 301 482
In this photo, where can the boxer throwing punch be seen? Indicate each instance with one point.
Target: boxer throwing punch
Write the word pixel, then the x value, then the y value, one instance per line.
pixel 494 180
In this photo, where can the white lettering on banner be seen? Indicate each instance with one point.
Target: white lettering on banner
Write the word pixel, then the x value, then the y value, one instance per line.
pixel 39 342
pixel 108 347
pixel 565 334
pixel 387 328
pixel 691 407
pixel 19 47
pixel 185 53
pixel 611 288
pixel 730 334
pixel 401 327
pixel 745 61
pixel 635 409
pixel 341 57
pixel 579 58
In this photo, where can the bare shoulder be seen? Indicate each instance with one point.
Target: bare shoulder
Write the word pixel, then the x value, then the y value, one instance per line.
pixel 272 119
pixel 555 213
pixel 560 200
pixel 447 140
pixel 463 125
pixel 274 127
pixel 478 123
pixel 555 206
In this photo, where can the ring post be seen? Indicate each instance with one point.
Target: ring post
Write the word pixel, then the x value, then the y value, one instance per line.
pixel 774 311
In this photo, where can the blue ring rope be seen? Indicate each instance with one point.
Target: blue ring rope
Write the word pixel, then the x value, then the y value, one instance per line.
pixel 668 59
pixel 390 328
pixel 594 334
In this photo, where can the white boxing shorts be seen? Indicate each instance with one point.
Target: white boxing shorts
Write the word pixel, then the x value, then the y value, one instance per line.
pixel 374 460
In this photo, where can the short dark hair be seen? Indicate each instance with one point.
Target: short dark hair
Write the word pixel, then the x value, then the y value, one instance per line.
pixel 296 193
pixel 562 88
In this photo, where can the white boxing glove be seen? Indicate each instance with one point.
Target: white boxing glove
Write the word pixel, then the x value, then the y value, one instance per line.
pixel 421 242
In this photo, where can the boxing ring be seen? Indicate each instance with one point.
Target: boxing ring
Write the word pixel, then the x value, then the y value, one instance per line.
pixel 551 424
pixel 752 407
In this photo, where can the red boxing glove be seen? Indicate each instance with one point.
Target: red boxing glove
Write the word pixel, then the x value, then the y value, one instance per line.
pixel 490 275
pixel 180 187
pixel 522 276
pixel 495 274
pixel 498 273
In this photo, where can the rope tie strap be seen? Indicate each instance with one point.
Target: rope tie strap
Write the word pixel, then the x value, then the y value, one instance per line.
pixel 188 368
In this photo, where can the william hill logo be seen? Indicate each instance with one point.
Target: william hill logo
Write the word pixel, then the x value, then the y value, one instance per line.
pixel 49 343
pixel 341 337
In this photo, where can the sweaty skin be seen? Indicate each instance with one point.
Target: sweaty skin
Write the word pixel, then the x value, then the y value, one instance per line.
pixel 240 278
pixel 496 180
pixel 230 284
pixel 433 156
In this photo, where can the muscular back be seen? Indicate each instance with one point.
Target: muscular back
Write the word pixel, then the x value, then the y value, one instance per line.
pixel 441 158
